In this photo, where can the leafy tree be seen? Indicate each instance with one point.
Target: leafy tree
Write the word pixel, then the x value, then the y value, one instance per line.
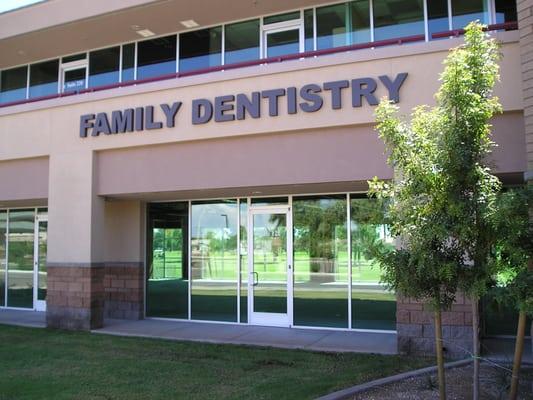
pixel 443 196
pixel 513 249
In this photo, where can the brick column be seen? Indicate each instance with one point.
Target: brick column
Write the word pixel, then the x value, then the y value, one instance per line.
pixel 416 331
pixel 525 24
pixel 123 290
pixel 75 298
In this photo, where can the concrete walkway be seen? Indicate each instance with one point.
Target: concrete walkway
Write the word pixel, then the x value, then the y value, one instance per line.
pixel 34 319
pixel 292 338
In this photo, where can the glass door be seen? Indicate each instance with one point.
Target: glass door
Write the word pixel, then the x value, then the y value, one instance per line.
pixel 74 76
pixel 270 266
pixel 282 38
pixel 39 271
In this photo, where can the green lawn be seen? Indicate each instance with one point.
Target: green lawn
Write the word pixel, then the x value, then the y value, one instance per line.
pixel 46 364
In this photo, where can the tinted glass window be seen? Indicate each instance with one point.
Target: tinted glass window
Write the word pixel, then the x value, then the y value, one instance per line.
pixel 200 49
pixel 373 306
pixel 398 18
pixel 242 41
pixel 214 265
pixel 505 11
pixel 320 261
pixel 466 11
pixel 308 30
pixel 104 66
pixel 360 13
pixel 43 78
pixel 20 256
pixel 331 26
pixel 281 17
pixel 128 62
pixel 74 57
pixel 438 16
pixel 167 273
pixel 13 84
pixel 282 43
pixel 156 57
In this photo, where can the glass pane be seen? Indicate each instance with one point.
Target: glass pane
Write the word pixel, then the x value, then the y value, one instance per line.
pixel 156 57
pixel 398 18
pixel 3 226
pixel 13 84
pixel 74 80
pixel 244 260
pixel 438 16
pixel 128 62
pixel 214 260
pixel 75 57
pixel 43 78
pixel 373 306
pixel 201 49
pixel 331 26
pixel 241 41
pixel 20 259
pixel 270 263
pixel 42 273
pixel 265 201
pixel 308 30
pixel 360 13
pixel 167 288
pixel 281 43
pixel 466 11
pixel 272 19
pixel 104 66
pixel 320 261
pixel 505 11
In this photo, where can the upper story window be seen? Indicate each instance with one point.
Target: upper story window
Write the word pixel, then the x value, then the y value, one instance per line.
pixel 104 66
pixel 201 49
pixel 464 11
pixel 43 78
pixel 156 57
pixel 317 28
pixel 398 18
pixel 128 62
pixel 13 84
pixel 241 41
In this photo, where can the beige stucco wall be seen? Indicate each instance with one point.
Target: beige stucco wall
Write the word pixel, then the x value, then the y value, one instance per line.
pixel 80 169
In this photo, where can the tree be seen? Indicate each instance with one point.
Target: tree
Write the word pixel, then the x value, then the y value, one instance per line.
pixel 442 198
pixel 514 248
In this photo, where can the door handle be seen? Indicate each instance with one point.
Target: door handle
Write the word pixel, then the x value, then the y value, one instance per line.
pixel 256 276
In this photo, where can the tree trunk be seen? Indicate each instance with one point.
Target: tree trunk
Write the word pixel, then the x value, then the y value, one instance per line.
pixel 476 347
pixel 440 356
pixel 518 351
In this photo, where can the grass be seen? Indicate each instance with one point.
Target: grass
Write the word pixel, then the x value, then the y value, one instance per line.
pixel 47 364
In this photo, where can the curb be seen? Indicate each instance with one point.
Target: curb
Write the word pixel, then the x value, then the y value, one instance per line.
pixel 346 393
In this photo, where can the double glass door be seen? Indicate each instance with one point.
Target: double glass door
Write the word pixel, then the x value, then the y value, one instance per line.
pixel 270 266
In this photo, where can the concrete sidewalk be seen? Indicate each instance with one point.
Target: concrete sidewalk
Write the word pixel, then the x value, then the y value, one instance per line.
pixel 30 318
pixel 293 338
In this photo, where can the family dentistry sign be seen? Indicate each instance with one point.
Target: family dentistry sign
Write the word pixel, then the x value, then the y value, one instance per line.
pixel 309 98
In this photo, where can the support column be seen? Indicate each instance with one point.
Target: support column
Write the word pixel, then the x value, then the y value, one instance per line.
pixel 416 328
pixel 124 255
pixel 75 298
pixel 525 25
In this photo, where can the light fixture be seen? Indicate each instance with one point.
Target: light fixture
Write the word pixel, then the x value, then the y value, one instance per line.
pixel 145 33
pixel 190 23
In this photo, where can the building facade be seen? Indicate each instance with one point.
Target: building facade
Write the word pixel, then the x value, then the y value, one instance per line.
pixel 208 161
